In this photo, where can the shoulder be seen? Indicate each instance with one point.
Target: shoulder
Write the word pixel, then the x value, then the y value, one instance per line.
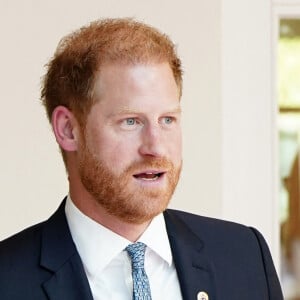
pixel 238 252
pixel 24 237
pixel 216 231
pixel 19 265
pixel 21 258
pixel 24 247
pixel 202 222
pixel 25 244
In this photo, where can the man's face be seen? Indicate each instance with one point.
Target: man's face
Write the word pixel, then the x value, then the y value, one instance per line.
pixel 130 156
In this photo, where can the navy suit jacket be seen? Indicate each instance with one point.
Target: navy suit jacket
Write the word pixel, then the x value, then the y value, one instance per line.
pixel 226 260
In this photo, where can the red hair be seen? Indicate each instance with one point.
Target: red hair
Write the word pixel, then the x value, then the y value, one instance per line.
pixel 72 71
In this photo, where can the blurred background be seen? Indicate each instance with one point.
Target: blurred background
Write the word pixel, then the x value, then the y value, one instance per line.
pixel 289 138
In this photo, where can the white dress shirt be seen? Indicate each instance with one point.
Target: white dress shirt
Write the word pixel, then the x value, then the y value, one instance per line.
pixel 107 264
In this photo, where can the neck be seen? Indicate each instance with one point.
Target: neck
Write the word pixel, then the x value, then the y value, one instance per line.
pixel 86 203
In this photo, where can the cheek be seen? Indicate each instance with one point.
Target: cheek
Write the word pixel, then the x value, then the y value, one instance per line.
pixel 176 146
pixel 119 154
pixel 112 144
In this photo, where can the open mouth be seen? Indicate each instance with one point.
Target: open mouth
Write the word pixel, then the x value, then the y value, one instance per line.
pixel 149 176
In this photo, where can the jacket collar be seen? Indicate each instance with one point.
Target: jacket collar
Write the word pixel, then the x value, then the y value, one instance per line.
pixel 69 281
pixel 59 255
pixel 194 268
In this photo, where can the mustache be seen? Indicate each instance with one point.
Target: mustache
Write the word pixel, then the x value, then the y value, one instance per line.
pixel 161 163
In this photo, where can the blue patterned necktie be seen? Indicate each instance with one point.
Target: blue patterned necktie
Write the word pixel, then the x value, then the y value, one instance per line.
pixel 141 286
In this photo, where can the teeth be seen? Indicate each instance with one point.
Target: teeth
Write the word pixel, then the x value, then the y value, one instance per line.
pixel 150 179
pixel 149 176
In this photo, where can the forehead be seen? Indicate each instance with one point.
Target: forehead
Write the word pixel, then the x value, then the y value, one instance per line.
pixel 119 83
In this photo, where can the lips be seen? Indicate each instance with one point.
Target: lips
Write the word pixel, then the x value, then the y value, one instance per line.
pixel 149 176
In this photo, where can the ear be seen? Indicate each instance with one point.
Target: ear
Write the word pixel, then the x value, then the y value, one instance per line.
pixel 66 128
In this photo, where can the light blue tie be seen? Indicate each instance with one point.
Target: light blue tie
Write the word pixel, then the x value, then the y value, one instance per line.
pixel 141 286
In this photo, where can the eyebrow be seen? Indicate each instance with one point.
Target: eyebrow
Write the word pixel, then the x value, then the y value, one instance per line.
pixel 125 110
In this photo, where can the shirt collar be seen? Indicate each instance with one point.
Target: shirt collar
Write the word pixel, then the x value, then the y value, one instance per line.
pixel 156 238
pixel 91 239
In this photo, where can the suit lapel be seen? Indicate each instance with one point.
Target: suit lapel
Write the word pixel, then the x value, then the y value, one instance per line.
pixel 194 268
pixel 59 255
pixel 69 281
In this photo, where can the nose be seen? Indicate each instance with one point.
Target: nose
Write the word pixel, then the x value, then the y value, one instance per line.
pixel 152 142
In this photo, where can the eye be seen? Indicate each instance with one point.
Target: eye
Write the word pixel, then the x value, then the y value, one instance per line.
pixel 168 120
pixel 130 121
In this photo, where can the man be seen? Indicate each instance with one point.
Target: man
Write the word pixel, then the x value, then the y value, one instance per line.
pixel 112 93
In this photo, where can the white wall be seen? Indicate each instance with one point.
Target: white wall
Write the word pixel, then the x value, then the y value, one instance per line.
pixel 32 175
pixel 249 174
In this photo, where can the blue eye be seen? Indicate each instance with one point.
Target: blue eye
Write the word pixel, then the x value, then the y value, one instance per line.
pixel 130 121
pixel 168 120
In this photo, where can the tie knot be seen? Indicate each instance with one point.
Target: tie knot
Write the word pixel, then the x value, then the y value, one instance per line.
pixel 136 252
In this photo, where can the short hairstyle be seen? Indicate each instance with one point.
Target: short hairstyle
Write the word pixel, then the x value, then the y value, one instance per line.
pixel 72 71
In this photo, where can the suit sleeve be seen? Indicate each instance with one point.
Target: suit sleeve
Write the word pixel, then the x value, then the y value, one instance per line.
pixel 275 292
